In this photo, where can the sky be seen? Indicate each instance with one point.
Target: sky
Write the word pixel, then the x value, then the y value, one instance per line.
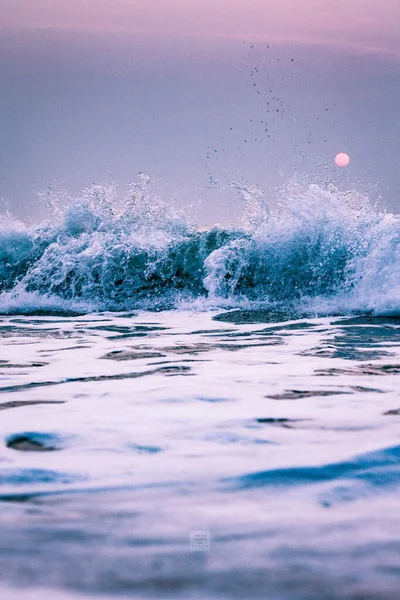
pixel 364 26
pixel 197 92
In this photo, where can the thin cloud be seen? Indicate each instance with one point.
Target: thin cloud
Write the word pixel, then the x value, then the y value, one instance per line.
pixel 350 26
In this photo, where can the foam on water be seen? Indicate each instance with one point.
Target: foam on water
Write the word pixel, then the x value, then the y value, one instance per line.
pixel 319 252
pixel 123 434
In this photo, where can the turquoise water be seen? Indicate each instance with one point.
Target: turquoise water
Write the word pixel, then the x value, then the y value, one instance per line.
pixel 200 413
pixel 318 252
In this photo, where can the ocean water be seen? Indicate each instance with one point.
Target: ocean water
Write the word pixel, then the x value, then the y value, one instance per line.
pixel 201 413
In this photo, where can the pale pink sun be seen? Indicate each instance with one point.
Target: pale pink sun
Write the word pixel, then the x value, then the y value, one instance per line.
pixel 342 159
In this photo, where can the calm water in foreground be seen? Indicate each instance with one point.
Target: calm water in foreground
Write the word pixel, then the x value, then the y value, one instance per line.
pixel 199 455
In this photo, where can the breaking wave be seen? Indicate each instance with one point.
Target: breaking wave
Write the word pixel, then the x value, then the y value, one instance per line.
pixel 320 251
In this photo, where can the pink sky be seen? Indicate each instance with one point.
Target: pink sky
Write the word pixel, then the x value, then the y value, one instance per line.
pixel 355 26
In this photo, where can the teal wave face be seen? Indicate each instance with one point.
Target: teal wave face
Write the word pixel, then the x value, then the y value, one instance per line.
pixel 316 246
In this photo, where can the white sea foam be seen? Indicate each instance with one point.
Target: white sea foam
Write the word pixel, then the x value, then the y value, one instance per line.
pixel 320 250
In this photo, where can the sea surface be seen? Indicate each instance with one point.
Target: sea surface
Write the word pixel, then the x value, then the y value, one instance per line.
pixel 201 413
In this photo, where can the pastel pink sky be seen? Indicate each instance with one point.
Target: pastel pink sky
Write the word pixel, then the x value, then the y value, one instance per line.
pixel 354 26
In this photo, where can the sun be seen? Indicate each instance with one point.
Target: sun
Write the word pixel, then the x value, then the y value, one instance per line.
pixel 342 159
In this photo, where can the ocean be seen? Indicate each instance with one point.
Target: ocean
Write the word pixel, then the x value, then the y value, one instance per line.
pixel 201 413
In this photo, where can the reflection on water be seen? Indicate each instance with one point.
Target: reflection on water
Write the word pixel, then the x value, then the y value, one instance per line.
pixel 276 440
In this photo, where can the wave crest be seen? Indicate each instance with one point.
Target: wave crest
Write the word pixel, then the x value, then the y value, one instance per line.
pixel 320 250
